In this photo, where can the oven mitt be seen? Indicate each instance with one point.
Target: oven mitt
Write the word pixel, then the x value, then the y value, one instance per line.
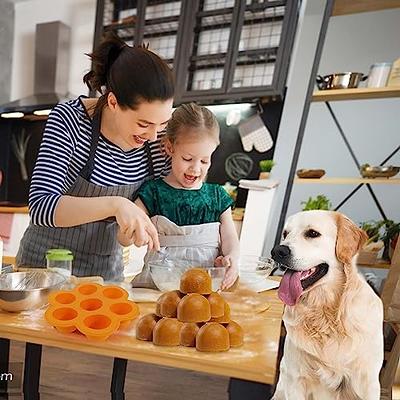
pixel 254 133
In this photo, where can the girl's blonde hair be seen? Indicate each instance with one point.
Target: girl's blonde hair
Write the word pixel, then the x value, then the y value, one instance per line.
pixel 199 120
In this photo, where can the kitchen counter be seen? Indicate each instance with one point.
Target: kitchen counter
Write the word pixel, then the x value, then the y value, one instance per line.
pixel 14 210
pixel 259 314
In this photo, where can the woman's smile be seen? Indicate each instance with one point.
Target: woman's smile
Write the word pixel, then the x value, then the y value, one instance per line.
pixel 139 140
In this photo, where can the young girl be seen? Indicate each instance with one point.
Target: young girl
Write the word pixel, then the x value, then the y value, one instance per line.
pixel 193 218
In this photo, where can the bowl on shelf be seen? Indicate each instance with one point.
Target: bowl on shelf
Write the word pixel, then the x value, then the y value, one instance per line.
pixel 22 291
pixel 342 80
pixel 310 173
pixel 368 171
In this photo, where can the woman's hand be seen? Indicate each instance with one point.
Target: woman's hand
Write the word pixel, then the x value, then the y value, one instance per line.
pixel 232 270
pixel 135 227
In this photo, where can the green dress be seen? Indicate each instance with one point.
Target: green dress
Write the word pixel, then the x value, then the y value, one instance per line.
pixel 183 206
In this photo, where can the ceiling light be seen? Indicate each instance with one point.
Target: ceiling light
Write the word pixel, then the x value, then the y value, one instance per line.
pixel 12 115
pixel 42 112
pixel 224 108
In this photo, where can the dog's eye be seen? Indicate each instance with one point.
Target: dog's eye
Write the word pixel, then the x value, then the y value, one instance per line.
pixel 284 234
pixel 312 234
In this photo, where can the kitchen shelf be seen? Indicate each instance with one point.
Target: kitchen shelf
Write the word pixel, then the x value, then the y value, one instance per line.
pixel 265 5
pixel 349 181
pixel 343 7
pixel 226 22
pixel 119 26
pixel 356 94
pixel 253 53
pixel 13 210
pixel 380 264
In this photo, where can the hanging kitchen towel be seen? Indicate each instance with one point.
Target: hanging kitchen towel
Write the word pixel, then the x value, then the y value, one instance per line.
pixel 258 184
pixel 255 134
pixel 6 221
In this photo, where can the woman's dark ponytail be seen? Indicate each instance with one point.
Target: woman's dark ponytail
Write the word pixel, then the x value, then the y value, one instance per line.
pixel 102 59
pixel 133 74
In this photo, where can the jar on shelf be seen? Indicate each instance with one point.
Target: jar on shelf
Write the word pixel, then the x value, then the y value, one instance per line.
pixel 60 260
pixel 378 74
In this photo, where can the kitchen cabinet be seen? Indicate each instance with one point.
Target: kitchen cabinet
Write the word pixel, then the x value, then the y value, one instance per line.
pixel 220 50
pixel 153 23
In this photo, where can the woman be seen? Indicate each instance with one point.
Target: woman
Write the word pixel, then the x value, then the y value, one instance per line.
pixel 94 155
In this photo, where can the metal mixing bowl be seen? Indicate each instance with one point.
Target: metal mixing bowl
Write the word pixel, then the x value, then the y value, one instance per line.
pixel 22 291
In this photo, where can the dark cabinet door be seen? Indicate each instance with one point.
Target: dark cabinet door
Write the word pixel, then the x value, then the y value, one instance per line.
pixel 156 24
pixel 206 55
pixel 236 49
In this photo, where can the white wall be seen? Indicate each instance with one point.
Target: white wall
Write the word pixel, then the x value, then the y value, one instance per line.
pixel 353 43
pixel 79 15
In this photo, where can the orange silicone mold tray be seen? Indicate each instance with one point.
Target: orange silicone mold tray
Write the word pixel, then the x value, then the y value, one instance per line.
pixel 96 311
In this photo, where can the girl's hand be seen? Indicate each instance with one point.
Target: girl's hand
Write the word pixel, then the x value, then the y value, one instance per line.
pixel 135 226
pixel 232 270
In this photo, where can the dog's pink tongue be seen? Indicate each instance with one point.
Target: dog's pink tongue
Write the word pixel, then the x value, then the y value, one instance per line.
pixel 290 287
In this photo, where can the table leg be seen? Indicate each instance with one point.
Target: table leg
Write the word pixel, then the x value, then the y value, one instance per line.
pixel 240 389
pixel 116 396
pixel 4 363
pixel 118 378
pixel 33 358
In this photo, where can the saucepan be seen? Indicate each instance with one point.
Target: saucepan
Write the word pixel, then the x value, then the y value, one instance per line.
pixel 343 80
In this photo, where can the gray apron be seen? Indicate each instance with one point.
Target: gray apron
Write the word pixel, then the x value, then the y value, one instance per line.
pixel 94 245
pixel 197 243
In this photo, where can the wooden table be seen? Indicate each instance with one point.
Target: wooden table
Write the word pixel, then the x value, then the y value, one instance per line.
pixel 251 366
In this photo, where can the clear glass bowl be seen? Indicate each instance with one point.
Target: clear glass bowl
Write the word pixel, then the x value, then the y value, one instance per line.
pixel 253 270
pixel 262 266
pixel 167 273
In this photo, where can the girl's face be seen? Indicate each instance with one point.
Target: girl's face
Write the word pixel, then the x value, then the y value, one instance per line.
pixel 191 159
pixel 135 127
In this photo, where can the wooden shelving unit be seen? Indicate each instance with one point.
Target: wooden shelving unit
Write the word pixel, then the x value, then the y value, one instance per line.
pixel 356 94
pixel 333 8
pixel 349 181
pixel 344 7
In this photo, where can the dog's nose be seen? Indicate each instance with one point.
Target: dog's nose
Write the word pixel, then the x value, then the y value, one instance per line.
pixel 280 253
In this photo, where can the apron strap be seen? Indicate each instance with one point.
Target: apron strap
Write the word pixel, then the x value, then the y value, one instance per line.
pixel 149 160
pixel 87 170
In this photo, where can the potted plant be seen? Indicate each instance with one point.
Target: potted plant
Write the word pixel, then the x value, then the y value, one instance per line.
pixel 265 168
pixel 391 231
pixel 320 202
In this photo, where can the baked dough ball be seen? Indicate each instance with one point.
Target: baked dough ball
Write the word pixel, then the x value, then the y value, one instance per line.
pixel 194 308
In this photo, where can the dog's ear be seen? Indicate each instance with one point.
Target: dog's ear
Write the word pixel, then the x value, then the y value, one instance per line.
pixel 349 239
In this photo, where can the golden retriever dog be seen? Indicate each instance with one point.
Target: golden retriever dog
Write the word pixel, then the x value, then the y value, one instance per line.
pixel 334 344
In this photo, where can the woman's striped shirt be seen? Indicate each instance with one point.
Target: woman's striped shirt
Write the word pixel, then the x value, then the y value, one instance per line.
pixel 64 151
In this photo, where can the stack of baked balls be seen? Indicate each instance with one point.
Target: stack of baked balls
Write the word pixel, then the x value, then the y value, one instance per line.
pixel 193 316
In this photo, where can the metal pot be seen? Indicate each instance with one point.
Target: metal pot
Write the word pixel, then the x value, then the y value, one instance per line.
pixel 344 80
